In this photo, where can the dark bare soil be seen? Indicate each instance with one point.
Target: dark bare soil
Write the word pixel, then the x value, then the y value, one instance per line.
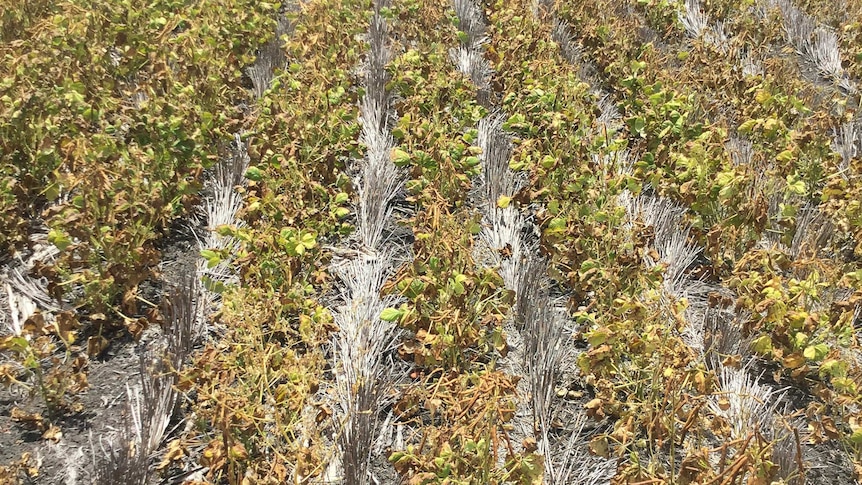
pixel 68 460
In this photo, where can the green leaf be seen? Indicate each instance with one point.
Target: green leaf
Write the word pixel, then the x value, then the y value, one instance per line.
pixel 598 337
pixel 795 186
pixel 515 121
pixel 399 157
pixel 334 95
pixel 206 119
pixel 253 173
pixel 224 230
pixel 503 201
pixel 636 125
pixel 556 226
pixel 637 66
pixel 417 287
pixel 747 126
pixel 52 191
pixel 855 275
pixel 844 385
pixel 309 239
pixel 785 156
pixel 212 285
pixel 212 257
pixel 763 96
pixel 391 314
pixel 834 368
pixel 59 238
pixel 18 344
pixel 771 125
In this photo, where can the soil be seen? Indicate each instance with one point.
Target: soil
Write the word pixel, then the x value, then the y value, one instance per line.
pixel 69 458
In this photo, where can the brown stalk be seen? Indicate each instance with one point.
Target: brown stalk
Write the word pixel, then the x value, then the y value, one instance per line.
pixel 734 470
pixel 799 454
pixel 690 421
pixel 737 468
pixel 506 435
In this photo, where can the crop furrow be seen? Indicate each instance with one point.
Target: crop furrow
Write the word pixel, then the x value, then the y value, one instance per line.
pixel 501 243
pixel 190 301
pixel 276 195
pixel 538 339
pixel 677 254
pixel 739 399
pixel 109 216
pixel 670 237
pixel 153 401
pixel 551 111
pixel 364 371
pixel 460 408
pixel 814 234
pixel 713 333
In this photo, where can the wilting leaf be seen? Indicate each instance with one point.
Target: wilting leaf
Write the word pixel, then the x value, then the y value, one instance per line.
pixel 95 345
pixel 794 361
pixel 599 446
pixel 175 452
pixel 53 433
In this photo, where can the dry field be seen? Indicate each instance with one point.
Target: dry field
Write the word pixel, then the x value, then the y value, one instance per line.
pixel 431 242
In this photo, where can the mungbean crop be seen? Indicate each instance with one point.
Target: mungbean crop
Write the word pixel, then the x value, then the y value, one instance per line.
pixel 431 242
